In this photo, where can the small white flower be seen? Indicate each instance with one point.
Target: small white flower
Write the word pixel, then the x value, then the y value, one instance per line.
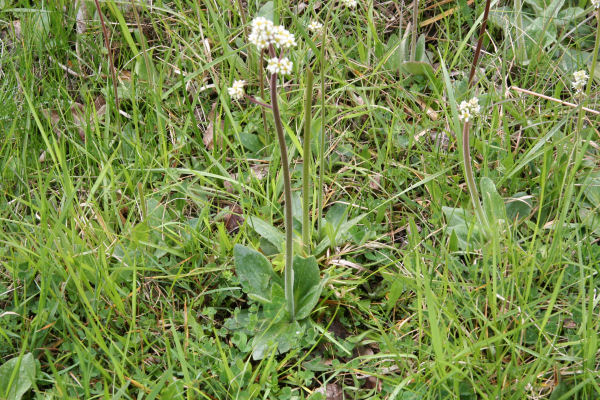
pixel 285 39
pixel 281 66
pixel 349 3
pixel 580 80
pixel 467 110
pixel 261 23
pixel 236 91
pixel 474 104
pixel 262 33
pixel 316 26
pixel 596 3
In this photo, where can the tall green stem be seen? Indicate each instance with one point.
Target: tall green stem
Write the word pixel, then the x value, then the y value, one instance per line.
pixel 288 274
pixel 466 149
pixel 306 225
pixel 413 39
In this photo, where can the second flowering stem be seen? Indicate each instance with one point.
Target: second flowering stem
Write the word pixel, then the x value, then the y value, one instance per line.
pixel 288 274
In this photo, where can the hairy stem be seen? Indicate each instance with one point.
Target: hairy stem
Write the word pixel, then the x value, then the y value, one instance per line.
pixel 486 13
pixel 592 72
pixel 306 226
pixel 287 195
pixel 466 149
pixel 413 38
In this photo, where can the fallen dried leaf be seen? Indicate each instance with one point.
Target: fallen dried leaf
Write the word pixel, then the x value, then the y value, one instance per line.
pixel 16 29
pixel 78 114
pixel 332 391
pixel 375 181
pixel 259 170
pixel 569 324
pixel 233 219
pixel 81 18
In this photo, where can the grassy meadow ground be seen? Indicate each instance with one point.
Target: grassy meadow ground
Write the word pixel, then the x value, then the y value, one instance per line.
pixel 117 228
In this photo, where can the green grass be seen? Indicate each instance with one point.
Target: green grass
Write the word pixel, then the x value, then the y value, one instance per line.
pixel 116 253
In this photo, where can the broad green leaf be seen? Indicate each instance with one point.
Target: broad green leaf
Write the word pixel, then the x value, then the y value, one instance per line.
pixel 418 68
pixel 591 188
pixel 267 11
pixel 275 307
pixel 590 218
pixel 550 11
pixel 469 235
pixel 493 204
pixel 340 232
pixel 392 52
pixel 420 49
pixel 253 269
pixel 570 14
pixel 284 335
pixel 337 214
pixel 250 141
pixel 267 231
pixel 539 34
pixel 307 285
pixel 15 383
pixel 396 290
pixel 518 206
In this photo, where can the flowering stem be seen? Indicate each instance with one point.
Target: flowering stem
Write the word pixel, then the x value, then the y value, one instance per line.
pixel 466 150
pixel 260 103
pixel 110 59
pixel 413 39
pixel 287 193
pixel 592 72
pixel 486 13
pixel 306 226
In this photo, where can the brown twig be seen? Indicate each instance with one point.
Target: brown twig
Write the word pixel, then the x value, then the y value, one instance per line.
pixel 110 55
pixel 554 99
pixel 479 42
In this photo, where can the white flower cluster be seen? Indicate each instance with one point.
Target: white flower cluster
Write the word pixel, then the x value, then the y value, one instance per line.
pixel 349 3
pixel 265 33
pixel 596 3
pixel 317 27
pixel 237 90
pixel 467 110
pixel 281 66
pixel 580 80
